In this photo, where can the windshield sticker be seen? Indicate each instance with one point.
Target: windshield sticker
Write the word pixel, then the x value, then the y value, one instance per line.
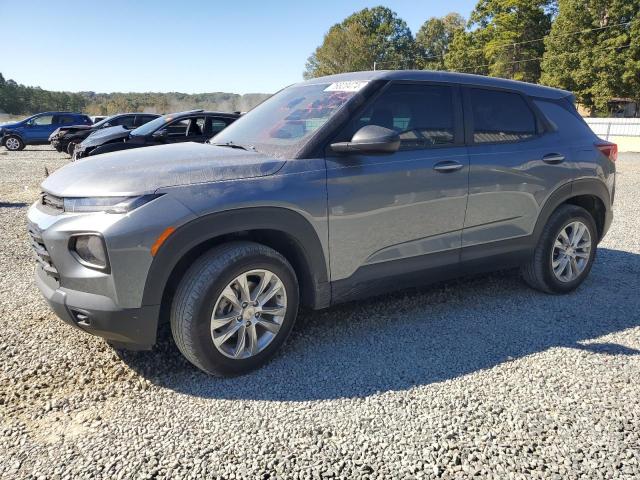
pixel 350 86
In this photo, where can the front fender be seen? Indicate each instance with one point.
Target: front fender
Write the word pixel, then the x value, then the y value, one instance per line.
pixel 209 227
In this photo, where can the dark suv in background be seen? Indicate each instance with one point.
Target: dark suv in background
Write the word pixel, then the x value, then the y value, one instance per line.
pixel 192 126
pixel 36 130
pixel 65 138
pixel 333 189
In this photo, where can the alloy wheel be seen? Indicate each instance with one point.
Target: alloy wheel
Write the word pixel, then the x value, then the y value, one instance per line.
pixel 12 144
pixel 248 314
pixel 571 251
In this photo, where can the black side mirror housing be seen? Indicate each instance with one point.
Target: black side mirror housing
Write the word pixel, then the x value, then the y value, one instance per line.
pixel 370 139
pixel 160 134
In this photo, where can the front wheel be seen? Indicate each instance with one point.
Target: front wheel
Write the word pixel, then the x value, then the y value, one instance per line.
pixel 565 252
pixel 234 308
pixel 13 143
pixel 71 147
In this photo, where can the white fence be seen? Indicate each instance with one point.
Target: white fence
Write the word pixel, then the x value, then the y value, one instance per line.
pixel 614 127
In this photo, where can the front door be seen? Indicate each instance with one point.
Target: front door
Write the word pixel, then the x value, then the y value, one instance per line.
pixel 39 128
pixel 387 208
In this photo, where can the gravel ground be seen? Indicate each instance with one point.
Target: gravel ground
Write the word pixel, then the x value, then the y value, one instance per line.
pixel 481 377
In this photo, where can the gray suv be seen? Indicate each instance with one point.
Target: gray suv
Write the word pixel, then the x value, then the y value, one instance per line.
pixel 331 190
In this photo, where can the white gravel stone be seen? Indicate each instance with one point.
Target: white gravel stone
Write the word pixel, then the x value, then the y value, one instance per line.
pixel 478 378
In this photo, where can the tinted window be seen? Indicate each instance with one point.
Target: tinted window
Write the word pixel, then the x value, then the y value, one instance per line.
pixel 66 120
pixel 217 125
pixel 126 121
pixel 190 127
pixel 142 119
pixel 423 115
pixel 500 117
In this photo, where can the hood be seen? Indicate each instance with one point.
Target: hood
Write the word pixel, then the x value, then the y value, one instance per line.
pixel 9 126
pixel 104 135
pixel 144 170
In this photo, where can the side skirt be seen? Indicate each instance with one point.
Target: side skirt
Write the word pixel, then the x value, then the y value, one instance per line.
pixel 424 270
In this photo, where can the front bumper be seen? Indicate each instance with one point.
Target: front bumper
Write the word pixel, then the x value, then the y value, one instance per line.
pixel 107 304
pixel 132 328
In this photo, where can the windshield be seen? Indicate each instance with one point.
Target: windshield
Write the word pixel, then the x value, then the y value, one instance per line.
pixel 284 123
pixel 150 127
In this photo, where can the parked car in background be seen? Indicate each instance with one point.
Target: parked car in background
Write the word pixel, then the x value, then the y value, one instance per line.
pixel 332 190
pixel 65 138
pixel 36 130
pixel 192 126
pixel 98 118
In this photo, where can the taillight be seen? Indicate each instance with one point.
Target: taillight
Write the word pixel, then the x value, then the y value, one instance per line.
pixel 608 149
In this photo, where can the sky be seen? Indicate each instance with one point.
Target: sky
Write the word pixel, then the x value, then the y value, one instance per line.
pixel 195 46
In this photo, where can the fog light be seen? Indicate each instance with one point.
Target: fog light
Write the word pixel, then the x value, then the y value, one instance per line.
pixel 90 251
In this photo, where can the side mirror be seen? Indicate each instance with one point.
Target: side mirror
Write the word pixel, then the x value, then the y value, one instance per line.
pixel 370 139
pixel 161 134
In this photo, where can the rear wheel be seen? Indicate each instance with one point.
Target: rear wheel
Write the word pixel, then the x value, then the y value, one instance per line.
pixel 13 143
pixel 565 252
pixel 234 308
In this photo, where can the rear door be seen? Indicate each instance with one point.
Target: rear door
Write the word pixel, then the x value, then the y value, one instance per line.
pixel 514 165
pixel 390 211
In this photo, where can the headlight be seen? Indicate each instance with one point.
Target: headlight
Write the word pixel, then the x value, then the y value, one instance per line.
pixel 106 204
pixel 89 249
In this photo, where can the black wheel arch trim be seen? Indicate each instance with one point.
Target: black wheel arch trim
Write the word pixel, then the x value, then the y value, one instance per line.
pixel 210 227
pixel 583 186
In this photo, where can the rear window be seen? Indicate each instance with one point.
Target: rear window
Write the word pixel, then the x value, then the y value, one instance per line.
pixel 500 117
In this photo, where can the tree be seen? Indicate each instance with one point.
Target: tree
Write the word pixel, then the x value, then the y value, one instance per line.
pixel 593 50
pixel 433 40
pixel 373 35
pixel 506 36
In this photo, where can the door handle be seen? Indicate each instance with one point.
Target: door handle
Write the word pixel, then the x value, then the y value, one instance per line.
pixel 553 158
pixel 447 166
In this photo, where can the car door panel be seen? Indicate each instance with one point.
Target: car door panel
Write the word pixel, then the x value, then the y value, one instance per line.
pixel 511 172
pixel 384 208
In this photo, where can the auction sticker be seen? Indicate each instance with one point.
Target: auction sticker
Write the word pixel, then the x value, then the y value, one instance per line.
pixel 349 86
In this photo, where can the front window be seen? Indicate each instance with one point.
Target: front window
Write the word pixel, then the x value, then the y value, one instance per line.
pixel 284 123
pixel 42 120
pixel 152 126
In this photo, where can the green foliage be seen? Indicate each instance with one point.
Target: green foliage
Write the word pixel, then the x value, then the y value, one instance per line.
pixel 602 60
pixel 503 39
pixel 373 35
pixel 433 40
pixel 20 100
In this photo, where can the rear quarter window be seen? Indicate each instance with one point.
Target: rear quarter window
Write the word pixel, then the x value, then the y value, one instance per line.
pixel 562 119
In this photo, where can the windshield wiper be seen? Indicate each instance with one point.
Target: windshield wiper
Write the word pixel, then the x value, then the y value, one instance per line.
pixel 235 145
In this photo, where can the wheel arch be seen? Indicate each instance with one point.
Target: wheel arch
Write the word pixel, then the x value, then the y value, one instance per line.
pixel 589 193
pixel 282 229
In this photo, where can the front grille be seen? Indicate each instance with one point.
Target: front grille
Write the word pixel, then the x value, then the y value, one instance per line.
pixel 40 251
pixel 51 201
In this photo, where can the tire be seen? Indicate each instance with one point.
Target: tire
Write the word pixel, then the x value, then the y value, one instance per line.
pixel 539 273
pixel 13 143
pixel 71 146
pixel 200 295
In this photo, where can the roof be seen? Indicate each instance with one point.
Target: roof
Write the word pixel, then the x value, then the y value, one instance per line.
pixel 449 77
pixel 193 112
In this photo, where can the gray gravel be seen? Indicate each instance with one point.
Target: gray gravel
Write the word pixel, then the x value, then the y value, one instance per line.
pixel 481 377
